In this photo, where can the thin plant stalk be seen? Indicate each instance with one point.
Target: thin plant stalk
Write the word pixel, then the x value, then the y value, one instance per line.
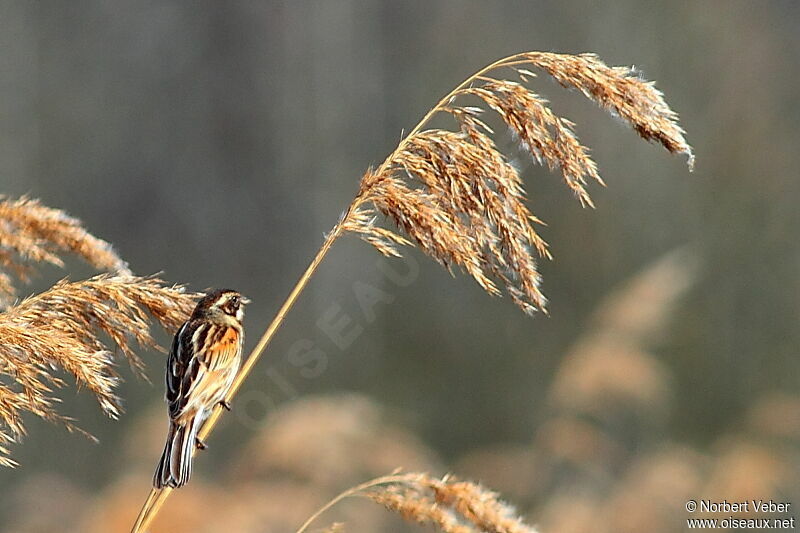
pixel 353 491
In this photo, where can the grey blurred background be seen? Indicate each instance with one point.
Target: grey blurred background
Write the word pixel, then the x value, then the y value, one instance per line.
pixel 217 141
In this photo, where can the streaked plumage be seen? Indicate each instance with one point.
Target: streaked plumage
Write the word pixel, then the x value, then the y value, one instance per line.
pixel 204 359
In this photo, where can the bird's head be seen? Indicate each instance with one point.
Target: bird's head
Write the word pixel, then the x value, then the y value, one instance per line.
pixel 223 305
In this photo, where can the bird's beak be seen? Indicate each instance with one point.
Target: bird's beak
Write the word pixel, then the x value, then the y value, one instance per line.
pixel 245 300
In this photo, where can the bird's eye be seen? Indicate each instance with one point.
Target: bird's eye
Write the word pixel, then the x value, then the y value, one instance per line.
pixel 235 300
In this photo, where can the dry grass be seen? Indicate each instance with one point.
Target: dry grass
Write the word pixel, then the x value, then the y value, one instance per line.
pixel 448 504
pixel 61 329
pixel 66 329
pixel 456 195
pixel 31 232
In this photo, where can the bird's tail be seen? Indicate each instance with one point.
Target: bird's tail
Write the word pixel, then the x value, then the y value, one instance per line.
pixel 175 467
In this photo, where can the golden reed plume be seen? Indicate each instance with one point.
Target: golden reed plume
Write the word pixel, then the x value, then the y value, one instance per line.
pixel 460 199
pixel 31 232
pixel 457 196
pixel 448 504
pixel 61 328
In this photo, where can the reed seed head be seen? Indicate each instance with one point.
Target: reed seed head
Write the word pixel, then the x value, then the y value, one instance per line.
pixel 63 329
pixel 448 504
pixel 31 232
pixel 456 195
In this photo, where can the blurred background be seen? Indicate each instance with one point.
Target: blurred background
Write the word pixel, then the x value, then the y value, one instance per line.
pixel 217 141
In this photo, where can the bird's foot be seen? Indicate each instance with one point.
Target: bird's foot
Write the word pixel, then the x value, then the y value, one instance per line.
pixel 200 444
pixel 225 405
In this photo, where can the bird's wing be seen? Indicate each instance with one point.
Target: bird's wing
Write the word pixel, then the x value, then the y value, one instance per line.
pixel 182 366
pixel 200 352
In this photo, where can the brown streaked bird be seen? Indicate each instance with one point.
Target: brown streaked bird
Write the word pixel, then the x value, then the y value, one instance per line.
pixel 204 359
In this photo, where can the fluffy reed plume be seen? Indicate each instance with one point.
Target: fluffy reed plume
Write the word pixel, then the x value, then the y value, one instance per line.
pixel 448 504
pixel 32 232
pixel 62 329
pixel 456 195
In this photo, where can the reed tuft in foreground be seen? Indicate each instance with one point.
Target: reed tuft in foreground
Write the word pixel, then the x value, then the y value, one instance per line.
pixel 31 232
pixel 448 504
pixel 62 329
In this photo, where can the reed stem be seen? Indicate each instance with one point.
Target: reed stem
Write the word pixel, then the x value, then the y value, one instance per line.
pixel 383 480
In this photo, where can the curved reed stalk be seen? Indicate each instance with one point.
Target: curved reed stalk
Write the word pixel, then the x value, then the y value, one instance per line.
pixel 61 329
pixel 456 196
pixel 448 504
pixel 32 232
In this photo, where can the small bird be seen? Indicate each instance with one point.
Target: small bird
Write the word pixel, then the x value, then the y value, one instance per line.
pixel 204 359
